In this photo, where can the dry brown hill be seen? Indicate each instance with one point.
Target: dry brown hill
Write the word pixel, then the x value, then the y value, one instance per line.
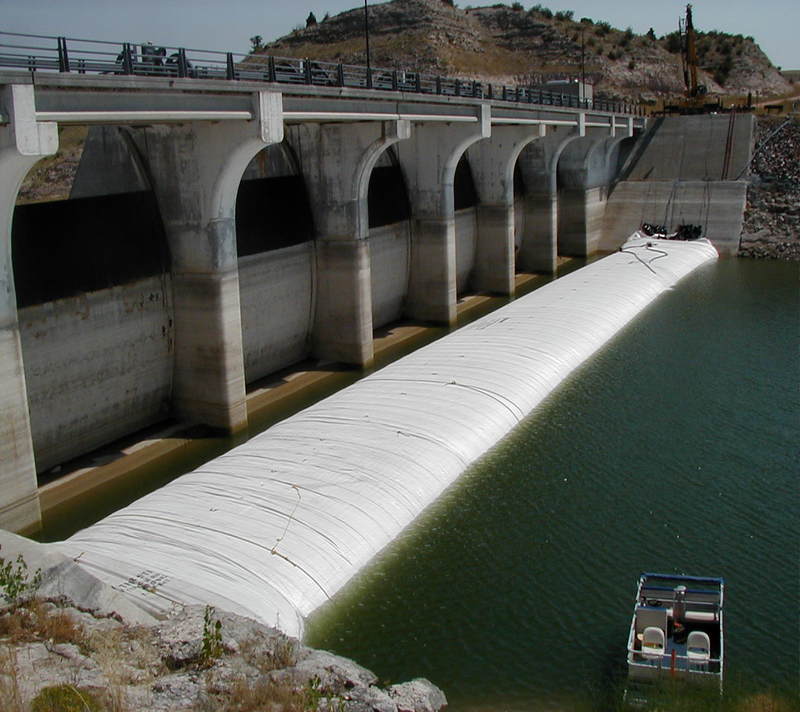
pixel 508 44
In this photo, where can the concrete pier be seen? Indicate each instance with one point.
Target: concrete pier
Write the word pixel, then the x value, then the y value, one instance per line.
pixel 493 160
pixel 23 142
pixel 337 160
pixel 429 161
pixel 195 170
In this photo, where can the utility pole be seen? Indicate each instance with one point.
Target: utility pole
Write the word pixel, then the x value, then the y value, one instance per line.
pixel 582 93
pixel 366 32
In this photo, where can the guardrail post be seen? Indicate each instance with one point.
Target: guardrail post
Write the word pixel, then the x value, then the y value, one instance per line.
pixel 369 77
pixel 230 69
pixel 394 80
pixel 182 64
pixel 63 57
pixel 491 91
pixel 438 85
pixel 458 87
pixel 419 83
pixel 307 67
pixel 504 92
pixel 127 64
pixel 271 75
pixel 340 74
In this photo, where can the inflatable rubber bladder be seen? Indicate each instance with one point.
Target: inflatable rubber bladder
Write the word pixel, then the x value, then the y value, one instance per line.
pixel 276 526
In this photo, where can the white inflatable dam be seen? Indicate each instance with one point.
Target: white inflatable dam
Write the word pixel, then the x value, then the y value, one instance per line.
pixel 278 525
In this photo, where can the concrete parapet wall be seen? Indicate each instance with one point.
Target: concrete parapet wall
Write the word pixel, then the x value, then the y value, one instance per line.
pixel 97 366
pixel 276 299
pixel 466 241
pixel 389 255
pixel 717 206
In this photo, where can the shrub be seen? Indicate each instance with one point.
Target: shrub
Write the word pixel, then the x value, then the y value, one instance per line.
pixel 602 29
pixel 65 698
pixel 564 15
pixel 541 10
pixel 15 582
pixel 212 638
pixel 674 44
pixel 517 6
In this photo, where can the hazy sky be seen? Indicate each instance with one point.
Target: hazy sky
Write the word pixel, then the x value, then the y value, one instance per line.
pixel 221 25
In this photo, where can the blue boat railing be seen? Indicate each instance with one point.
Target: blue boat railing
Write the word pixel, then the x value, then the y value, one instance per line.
pixel 43 53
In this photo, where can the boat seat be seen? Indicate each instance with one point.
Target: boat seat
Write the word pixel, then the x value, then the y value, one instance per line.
pixel 698 650
pixel 700 616
pixel 653 642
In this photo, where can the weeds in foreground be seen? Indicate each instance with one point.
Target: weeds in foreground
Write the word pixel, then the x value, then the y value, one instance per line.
pixel 16 583
pixel 265 695
pixel 9 680
pixel 212 638
pixel 37 620
pixel 65 698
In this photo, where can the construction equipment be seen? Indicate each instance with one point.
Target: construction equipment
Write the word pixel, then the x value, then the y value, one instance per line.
pixel 695 98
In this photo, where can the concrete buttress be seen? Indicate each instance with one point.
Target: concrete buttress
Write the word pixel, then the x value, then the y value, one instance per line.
pixel 493 160
pixel 23 142
pixel 195 170
pixel 429 161
pixel 337 160
pixel 538 164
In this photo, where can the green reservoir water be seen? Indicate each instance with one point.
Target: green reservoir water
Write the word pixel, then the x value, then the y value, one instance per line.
pixel 674 450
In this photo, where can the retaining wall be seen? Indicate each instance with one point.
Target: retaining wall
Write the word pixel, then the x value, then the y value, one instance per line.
pixel 389 254
pixel 98 366
pixel 276 298
pixel 466 242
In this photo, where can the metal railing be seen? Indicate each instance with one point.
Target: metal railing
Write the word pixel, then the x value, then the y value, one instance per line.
pixel 42 53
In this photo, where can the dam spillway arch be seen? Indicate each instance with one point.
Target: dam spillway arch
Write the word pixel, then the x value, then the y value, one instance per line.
pixel 275 527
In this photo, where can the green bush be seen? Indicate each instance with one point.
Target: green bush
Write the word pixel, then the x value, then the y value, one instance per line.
pixel 15 582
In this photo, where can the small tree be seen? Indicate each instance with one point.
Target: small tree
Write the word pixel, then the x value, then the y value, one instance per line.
pixel 651 35
pixel 256 43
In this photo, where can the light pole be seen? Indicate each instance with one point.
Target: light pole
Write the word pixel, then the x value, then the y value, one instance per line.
pixel 366 32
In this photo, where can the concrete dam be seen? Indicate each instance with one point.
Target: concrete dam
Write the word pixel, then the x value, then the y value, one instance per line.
pixel 256 229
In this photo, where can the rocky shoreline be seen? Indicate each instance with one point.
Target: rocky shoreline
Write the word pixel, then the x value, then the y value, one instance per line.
pixel 68 642
pixel 771 228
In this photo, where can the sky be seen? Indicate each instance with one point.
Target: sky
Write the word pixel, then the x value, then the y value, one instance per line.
pixel 228 25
